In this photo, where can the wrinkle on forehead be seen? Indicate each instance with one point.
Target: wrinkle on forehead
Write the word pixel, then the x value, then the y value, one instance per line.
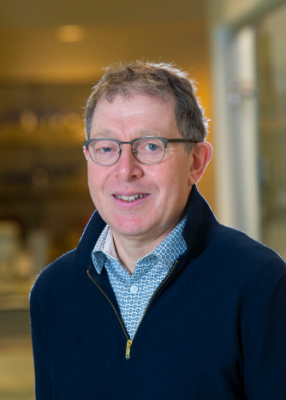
pixel 136 133
pixel 139 116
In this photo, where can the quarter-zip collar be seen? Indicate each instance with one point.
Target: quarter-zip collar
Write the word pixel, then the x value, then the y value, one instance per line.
pixel 200 222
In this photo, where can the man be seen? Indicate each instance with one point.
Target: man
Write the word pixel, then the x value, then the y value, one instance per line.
pixel 158 300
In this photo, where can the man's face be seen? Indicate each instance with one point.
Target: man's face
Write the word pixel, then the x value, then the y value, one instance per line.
pixel 163 188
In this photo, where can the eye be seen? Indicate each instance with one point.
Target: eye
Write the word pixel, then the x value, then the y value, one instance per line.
pixel 105 147
pixel 152 146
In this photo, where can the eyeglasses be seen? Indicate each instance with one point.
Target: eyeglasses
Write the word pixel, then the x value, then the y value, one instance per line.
pixel 146 150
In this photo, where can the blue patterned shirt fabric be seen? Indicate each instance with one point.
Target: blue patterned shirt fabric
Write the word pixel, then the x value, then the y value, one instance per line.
pixel 133 291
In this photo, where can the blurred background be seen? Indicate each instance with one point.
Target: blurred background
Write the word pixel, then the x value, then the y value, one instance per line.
pixel 53 52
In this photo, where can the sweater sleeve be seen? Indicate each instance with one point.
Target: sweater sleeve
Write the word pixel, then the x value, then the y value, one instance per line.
pixel 43 386
pixel 265 365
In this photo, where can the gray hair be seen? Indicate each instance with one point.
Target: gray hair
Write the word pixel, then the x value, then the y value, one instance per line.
pixel 157 80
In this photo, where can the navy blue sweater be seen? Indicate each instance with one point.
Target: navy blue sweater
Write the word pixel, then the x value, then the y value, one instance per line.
pixel 214 329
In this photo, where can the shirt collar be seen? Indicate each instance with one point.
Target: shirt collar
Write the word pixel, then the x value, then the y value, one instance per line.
pixel 103 247
pixel 166 252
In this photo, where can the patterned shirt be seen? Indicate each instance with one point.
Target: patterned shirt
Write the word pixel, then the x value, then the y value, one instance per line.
pixel 133 291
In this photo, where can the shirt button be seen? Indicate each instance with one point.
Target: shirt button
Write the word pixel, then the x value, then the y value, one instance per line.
pixel 133 289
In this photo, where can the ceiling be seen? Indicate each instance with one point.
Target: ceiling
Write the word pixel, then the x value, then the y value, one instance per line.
pixel 32 13
pixel 71 41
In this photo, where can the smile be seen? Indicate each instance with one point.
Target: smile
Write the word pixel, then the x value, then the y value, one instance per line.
pixel 130 198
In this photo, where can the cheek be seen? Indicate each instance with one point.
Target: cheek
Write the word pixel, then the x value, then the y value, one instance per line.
pixel 174 185
pixel 94 182
pixel 90 176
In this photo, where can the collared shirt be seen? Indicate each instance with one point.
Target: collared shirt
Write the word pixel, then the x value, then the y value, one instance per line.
pixel 133 292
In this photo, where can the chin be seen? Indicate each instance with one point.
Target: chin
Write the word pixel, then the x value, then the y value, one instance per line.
pixel 134 230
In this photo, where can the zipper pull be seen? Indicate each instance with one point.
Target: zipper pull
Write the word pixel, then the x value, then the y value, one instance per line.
pixel 128 347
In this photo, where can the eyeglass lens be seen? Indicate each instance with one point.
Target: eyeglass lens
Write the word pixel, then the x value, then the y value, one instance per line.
pixel 146 151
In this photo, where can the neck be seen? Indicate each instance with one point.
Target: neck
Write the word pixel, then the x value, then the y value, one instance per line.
pixel 130 250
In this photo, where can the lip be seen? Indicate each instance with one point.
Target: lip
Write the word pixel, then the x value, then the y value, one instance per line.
pixel 134 198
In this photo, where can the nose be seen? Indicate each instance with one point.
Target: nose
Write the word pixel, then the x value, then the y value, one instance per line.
pixel 127 167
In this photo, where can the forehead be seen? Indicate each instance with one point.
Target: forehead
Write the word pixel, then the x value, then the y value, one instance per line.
pixel 134 112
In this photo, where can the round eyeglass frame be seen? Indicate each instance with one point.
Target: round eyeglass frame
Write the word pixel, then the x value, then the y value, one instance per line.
pixel 165 141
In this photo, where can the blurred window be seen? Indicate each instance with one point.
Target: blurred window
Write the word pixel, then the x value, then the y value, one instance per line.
pixel 271 63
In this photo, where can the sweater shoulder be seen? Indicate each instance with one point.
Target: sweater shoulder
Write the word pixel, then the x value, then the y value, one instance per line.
pixel 55 272
pixel 234 247
pixel 239 241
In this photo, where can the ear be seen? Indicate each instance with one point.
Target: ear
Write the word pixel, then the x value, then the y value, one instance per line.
pixel 85 152
pixel 200 157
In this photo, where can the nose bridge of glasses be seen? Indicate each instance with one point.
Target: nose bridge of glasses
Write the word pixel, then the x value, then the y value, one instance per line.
pixel 134 152
pixel 131 142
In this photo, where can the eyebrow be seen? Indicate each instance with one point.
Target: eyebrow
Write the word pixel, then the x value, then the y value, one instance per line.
pixel 108 133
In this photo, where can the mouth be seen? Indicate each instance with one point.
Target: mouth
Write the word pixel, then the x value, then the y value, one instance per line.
pixel 131 198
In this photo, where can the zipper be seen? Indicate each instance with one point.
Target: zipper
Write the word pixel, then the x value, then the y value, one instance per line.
pixel 114 309
pixel 154 294
pixel 128 340
pixel 128 349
